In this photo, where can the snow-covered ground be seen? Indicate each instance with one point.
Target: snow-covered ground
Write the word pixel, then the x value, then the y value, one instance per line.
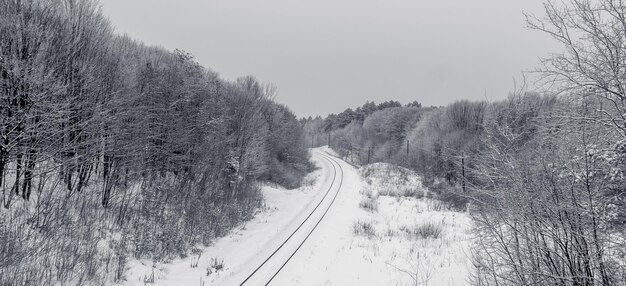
pixel 389 251
pixel 246 246
pixel 380 243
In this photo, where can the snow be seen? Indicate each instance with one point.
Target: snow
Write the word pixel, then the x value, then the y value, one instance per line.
pixel 336 256
pixel 246 246
pixel 333 254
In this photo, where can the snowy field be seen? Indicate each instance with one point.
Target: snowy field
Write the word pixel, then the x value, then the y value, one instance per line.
pixel 383 245
pixel 416 240
pixel 381 230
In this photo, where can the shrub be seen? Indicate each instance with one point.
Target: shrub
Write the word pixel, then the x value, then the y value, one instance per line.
pixel 217 264
pixel 450 195
pixel 214 266
pixel 363 228
pixel 412 192
pixel 368 193
pixel 288 175
pixel 149 279
pixel 423 230
pixel 369 204
pixel 437 205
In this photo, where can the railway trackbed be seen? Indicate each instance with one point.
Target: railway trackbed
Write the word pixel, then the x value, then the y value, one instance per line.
pixel 271 267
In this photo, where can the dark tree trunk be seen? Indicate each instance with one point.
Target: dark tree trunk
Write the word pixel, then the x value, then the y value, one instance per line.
pixel 106 167
pixel 83 175
pixel 68 177
pixel 29 166
pixel 18 174
pixel 3 161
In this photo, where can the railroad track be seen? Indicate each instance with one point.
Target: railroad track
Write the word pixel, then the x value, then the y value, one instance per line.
pixel 310 219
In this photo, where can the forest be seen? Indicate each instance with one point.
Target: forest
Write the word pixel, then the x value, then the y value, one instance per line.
pixel 111 149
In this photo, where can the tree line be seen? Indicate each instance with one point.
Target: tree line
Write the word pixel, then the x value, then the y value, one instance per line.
pixel 541 172
pixel 110 148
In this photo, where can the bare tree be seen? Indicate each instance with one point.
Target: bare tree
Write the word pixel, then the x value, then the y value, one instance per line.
pixel 593 61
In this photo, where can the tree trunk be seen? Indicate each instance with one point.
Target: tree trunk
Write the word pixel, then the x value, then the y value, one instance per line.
pixel 106 179
pixel 18 174
pixel 68 177
pixel 3 161
pixel 29 166
pixel 84 170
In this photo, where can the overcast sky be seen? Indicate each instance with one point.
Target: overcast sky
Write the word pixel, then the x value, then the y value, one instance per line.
pixel 327 55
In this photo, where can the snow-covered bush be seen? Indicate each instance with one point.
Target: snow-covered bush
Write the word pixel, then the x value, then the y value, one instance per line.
pixel 215 265
pixel 389 180
pixel 363 228
pixel 369 204
pixel 423 230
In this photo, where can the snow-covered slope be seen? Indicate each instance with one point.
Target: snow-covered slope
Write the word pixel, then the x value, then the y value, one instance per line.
pixel 247 245
pixel 379 231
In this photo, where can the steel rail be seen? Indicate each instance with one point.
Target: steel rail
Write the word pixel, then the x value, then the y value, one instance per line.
pixel 302 223
pixel 318 222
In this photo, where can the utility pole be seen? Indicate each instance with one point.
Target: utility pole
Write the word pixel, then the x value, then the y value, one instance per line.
pixel 328 139
pixel 407 148
pixel 369 150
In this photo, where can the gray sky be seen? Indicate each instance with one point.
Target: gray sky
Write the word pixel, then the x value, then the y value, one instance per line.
pixel 327 55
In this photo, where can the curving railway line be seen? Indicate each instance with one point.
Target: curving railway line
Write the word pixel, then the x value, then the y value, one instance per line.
pixel 271 267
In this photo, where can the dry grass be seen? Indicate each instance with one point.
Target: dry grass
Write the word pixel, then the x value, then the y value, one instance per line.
pixel 394 181
pixel 363 228
pixel 424 230
pixel 215 266
pixel 368 204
